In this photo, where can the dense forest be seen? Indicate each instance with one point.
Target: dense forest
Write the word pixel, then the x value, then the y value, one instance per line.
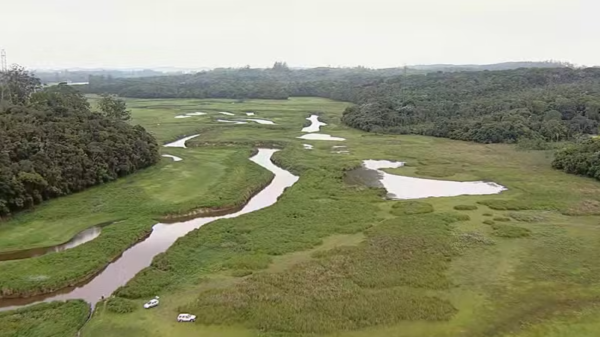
pixel 487 107
pixel 551 104
pixel 582 158
pixel 53 144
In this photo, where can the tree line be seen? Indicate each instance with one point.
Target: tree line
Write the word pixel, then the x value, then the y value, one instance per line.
pixel 53 144
pixel 550 104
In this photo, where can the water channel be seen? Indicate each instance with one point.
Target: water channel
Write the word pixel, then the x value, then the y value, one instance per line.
pixel 139 256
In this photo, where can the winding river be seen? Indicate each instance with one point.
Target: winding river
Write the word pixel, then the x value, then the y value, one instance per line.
pixel 139 256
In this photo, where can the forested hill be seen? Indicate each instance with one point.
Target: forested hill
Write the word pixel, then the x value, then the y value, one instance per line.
pixel 483 106
pixel 489 107
pixel 52 144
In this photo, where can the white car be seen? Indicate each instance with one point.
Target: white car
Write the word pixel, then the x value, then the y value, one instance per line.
pixel 186 318
pixel 151 304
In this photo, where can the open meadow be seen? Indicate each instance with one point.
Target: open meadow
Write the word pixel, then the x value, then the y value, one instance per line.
pixel 330 258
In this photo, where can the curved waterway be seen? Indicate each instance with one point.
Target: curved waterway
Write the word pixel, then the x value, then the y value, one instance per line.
pixel 139 256
pixel 79 239
pixel 315 124
pixel 180 142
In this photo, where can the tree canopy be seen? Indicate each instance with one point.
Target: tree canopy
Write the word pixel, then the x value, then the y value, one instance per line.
pixel 52 144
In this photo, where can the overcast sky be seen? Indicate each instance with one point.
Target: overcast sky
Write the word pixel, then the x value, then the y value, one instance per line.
pixel 373 33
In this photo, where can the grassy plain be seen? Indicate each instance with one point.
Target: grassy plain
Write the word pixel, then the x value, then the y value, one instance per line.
pixel 45 320
pixel 410 273
pixel 329 259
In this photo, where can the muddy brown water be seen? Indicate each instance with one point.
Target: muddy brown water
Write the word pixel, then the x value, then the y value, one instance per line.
pixel 139 256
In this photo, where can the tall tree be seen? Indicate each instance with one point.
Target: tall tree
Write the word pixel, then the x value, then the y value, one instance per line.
pixel 17 86
pixel 113 107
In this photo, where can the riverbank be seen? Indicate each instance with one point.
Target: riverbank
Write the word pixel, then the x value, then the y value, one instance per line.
pixel 47 319
pixel 208 178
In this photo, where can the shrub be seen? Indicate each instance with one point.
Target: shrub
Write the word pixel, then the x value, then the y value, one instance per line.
pixel 505 205
pixel 462 217
pixel 489 222
pixel 120 305
pixel 465 207
pixel 411 207
pixel 510 231
pixel 526 217
pixel 501 219
pixel 488 214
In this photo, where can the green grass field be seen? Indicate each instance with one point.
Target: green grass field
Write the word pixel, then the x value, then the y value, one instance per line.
pixel 330 259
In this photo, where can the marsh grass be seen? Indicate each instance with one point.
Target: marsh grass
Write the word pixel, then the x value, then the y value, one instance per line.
pixel 411 207
pixel 263 274
pixel 510 231
pixel 45 320
pixel 384 280
pixel 237 181
pixel 465 207
pixel 120 305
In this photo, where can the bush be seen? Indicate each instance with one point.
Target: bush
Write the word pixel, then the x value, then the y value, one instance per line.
pixel 505 205
pixel 526 217
pixel 411 207
pixel 45 319
pixel 465 207
pixel 510 231
pixel 501 219
pixel 462 217
pixel 489 222
pixel 488 214
pixel 120 305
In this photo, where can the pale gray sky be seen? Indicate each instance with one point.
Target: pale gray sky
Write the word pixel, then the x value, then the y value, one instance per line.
pixel 374 33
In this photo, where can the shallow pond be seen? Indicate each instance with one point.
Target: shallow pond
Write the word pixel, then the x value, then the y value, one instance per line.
pixel 139 256
pixel 183 116
pixel 261 121
pixel 401 187
pixel 249 113
pixel 226 113
pixel 180 142
pixel 175 158
pixel 320 136
pixel 82 237
pixel 315 124
pixel 308 146
pixel 232 122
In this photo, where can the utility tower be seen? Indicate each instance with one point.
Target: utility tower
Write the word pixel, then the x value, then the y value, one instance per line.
pixel 3 66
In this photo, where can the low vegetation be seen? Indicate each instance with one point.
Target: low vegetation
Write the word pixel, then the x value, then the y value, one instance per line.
pixel 465 207
pixel 523 217
pixel 120 305
pixel 411 207
pixel 510 231
pixel 228 179
pixel 45 320
pixel 501 219
pixel 377 282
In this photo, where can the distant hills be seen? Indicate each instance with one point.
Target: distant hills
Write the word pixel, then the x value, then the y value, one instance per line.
pixel 80 75
pixel 495 66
